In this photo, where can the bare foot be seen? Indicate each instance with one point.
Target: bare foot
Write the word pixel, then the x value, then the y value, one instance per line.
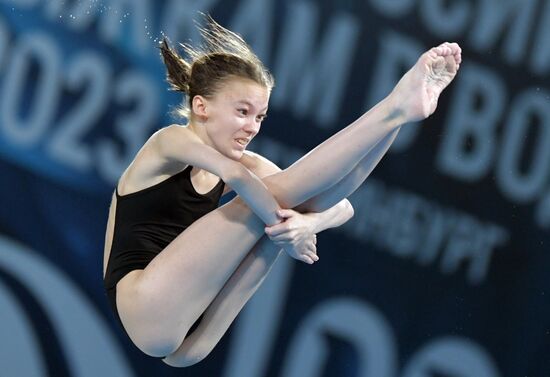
pixel 418 91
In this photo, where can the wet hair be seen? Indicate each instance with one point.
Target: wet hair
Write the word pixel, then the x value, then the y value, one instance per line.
pixel 222 55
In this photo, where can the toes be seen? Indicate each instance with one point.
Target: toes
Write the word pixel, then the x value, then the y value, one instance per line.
pixel 456 50
pixel 448 49
pixel 458 58
pixel 442 50
pixel 447 54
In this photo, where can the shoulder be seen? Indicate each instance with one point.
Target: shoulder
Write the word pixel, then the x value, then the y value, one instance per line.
pixel 173 134
pixel 149 166
pixel 177 145
pixel 174 143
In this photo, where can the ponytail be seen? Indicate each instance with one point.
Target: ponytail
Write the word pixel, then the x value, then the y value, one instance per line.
pixel 178 71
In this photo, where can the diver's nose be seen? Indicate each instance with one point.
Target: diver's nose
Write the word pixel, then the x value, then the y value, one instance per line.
pixel 252 127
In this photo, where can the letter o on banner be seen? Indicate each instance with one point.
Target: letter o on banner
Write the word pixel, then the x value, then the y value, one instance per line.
pixel 353 320
pixel 451 356
pixel 87 343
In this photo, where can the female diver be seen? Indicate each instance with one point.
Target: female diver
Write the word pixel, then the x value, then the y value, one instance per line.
pixel 177 269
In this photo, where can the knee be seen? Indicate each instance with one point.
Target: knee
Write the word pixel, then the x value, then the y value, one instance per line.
pixel 186 358
pixel 156 346
pixel 149 329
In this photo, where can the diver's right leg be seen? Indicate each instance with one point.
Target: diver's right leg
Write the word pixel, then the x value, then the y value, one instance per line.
pixel 351 182
pixel 415 97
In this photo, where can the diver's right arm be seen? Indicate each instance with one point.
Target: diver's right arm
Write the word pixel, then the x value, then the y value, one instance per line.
pixel 178 144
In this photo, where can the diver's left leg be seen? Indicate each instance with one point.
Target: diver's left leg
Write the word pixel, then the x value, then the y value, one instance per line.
pixel 227 304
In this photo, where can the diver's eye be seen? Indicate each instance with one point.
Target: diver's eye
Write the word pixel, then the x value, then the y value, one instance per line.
pixel 243 111
pixel 261 118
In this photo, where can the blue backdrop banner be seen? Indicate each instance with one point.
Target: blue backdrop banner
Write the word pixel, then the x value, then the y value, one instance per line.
pixel 443 271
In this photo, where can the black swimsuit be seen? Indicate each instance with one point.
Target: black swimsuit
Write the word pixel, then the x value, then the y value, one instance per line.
pixel 147 221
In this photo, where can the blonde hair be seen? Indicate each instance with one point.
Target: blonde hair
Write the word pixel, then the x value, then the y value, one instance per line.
pixel 223 54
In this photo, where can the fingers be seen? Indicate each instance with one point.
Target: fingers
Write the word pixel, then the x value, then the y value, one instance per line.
pixel 310 258
pixel 277 229
pixel 282 237
pixel 285 213
pixel 282 227
pixel 314 257
pixel 312 253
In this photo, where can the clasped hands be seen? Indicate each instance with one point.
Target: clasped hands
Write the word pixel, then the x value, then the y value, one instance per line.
pixel 295 235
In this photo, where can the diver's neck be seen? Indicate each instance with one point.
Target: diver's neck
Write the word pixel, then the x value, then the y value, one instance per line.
pixel 200 131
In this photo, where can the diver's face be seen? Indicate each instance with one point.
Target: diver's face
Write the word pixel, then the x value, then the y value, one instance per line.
pixel 234 115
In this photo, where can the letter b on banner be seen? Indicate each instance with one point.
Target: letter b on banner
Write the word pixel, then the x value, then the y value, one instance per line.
pixel 469 142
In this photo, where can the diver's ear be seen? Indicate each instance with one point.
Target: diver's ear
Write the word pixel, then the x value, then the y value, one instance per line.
pixel 199 108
